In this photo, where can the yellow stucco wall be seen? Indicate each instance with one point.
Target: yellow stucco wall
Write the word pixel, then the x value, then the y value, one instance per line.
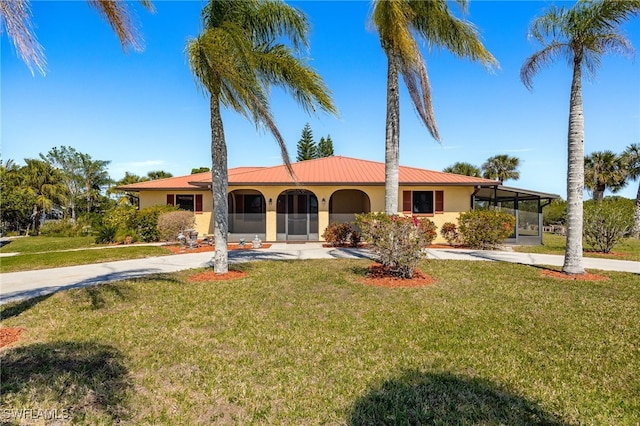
pixel 456 200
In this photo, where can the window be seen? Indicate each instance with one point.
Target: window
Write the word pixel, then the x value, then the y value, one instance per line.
pixel 423 202
pixel 186 201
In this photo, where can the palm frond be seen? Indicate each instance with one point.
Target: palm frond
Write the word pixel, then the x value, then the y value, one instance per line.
pixel 118 15
pixel 15 16
pixel 541 59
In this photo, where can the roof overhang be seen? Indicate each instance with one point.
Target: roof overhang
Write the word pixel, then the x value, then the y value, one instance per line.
pixel 501 192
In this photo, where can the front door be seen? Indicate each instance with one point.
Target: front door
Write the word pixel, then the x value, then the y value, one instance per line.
pixel 297 216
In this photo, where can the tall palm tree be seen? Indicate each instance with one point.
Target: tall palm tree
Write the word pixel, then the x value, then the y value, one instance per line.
pixel 16 17
pixel 501 167
pixel 45 185
pixel 604 170
pixel 462 168
pixel 631 159
pixel 398 23
pixel 581 34
pixel 236 60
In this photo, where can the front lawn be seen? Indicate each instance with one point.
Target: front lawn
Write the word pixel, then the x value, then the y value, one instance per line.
pixel 56 252
pixel 304 342
pixel 627 249
pixel 58 259
pixel 44 244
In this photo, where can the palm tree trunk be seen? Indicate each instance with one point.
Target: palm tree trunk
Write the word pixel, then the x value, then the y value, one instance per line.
pixel 392 139
pixel 636 216
pixel 219 185
pixel 575 176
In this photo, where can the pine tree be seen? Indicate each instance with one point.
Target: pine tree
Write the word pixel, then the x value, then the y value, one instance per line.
pixel 307 149
pixel 325 147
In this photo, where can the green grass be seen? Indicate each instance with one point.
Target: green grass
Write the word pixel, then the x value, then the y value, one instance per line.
pixel 627 249
pixel 56 252
pixel 57 259
pixel 45 244
pixel 304 342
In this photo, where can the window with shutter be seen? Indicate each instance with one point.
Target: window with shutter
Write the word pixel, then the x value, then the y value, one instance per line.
pixel 198 203
pixel 170 199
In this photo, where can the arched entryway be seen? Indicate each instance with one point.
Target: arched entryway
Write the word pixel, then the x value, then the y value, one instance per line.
pixel 247 215
pixel 344 204
pixel 297 216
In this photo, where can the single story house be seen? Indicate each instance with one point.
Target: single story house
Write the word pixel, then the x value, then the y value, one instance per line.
pixel 267 202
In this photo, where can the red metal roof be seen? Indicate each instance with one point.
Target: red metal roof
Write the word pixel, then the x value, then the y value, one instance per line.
pixel 334 170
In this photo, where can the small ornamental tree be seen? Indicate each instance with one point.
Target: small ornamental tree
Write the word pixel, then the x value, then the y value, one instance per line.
pixel 397 241
pixel 449 232
pixel 607 222
pixel 485 229
pixel 170 224
pixel 337 234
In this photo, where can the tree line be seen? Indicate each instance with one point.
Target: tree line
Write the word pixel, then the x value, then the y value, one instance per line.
pixel 63 183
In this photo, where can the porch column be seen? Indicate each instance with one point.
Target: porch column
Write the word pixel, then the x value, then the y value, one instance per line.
pixel 271 200
pixel 323 212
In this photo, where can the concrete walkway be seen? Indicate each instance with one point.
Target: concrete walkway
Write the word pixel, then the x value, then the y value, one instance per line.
pixel 23 285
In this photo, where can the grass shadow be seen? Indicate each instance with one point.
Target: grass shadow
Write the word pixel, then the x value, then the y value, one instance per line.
pixel 89 381
pixel 13 309
pixel 417 398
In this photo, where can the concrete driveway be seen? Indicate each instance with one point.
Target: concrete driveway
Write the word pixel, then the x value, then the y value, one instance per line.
pixel 23 285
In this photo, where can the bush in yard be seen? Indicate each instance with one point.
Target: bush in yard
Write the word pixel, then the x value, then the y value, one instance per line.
pixel 170 224
pixel 607 222
pixel 106 234
pixel 397 241
pixel 121 216
pixel 449 232
pixel 147 222
pixel 355 238
pixel 485 229
pixel 337 234
pixel 60 228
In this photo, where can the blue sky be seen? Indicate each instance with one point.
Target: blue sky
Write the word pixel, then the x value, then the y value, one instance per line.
pixel 143 111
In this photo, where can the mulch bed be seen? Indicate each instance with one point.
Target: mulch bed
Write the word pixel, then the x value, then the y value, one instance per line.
pixel 203 248
pixel 578 277
pixel 212 276
pixel 9 335
pixel 377 275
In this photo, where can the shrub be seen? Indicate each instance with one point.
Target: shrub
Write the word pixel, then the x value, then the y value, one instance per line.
pixel 121 216
pixel 125 236
pixel 106 234
pixel 355 238
pixel 449 232
pixel 397 241
pixel 170 224
pixel 147 222
pixel 337 234
pixel 607 222
pixel 60 228
pixel 485 229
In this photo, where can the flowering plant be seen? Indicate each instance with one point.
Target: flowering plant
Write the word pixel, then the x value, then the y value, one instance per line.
pixel 397 241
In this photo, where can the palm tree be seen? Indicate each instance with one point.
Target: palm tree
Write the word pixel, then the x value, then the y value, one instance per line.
pixel 16 16
pixel 95 176
pixel 501 167
pixel 462 168
pixel 158 174
pixel 398 24
pixel 236 60
pixel 604 170
pixel 45 185
pixel 631 160
pixel 582 35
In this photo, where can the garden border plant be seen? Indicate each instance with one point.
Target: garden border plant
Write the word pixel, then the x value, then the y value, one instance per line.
pixel 397 241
